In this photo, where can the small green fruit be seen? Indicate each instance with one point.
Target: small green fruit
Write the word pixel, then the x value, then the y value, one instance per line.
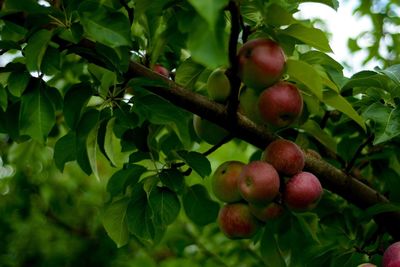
pixel 208 131
pixel 218 85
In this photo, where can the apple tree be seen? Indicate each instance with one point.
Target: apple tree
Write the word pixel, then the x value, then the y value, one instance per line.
pixel 151 97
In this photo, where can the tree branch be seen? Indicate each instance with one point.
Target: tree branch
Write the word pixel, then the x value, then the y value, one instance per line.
pixel 331 178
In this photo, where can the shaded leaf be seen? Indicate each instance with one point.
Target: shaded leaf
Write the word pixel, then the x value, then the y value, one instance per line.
pixel 3 98
pixel 165 205
pixel 387 121
pixel 92 150
pixel 105 26
pixel 313 129
pixel 270 251
pixel 121 179
pixel 17 82
pixel 393 72
pixel 114 221
pixel 64 150
pixel 37 115
pixel 75 101
pixel 36 48
pixel 210 10
pixel 198 205
pixel 198 162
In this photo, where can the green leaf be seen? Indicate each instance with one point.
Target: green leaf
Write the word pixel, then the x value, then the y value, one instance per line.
pixel 37 115
pixel 3 98
pixel 311 36
pixel 188 73
pixel 165 205
pixel 393 72
pixel 210 10
pixel 104 25
pixel 208 46
pixel 313 129
pixel 88 121
pixel 270 251
pixel 305 73
pixel 114 218
pixel 36 48
pixel 92 150
pixel 337 101
pixel 378 209
pixel 198 162
pixel 161 112
pixel 64 150
pixel 139 215
pixel 332 3
pixel 308 222
pixel 173 179
pixel 317 57
pixel 198 205
pixel 75 101
pixel 387 121
pixel 112 145
pixel 121 179
pixel 17 82
pixel 363 78
pixel 278 16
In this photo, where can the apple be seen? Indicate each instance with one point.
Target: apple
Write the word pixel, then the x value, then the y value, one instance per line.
pixel 225 179
pixel 261 63
pixel 280 104
pixel 367 265
pixel 286 157
pixel 391 256
pixel 259 182
pixel 236 221
pixel 248 105
pixel 218 85
pixel 161 70
pixel 302 192
pixel 208 131
pixel 266 212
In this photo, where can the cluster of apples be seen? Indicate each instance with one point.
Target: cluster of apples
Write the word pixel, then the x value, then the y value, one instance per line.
pixel 258 191
pixel 263 98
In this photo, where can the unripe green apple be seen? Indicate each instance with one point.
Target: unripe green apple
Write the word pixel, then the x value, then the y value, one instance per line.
pixel 225 179
pixel 302 192
pixel 208 131
pixel 236 221
pixel 218 85
pixel 261 63
pixel 367 265
pixel 266 212
pixel 391 256
pixel 248 105
pixel 161 70
pixel 286 157
pixel 280 104
pixel 259 182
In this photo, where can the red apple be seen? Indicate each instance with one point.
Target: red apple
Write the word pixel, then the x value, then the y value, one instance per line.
pixel 261 63
pixel 208 131
pixel 391 256
pixel 302 192
pixel 161 70
pixel 280 104
pixel 225 179
pixel 266 212
pixel 286 157
pixel 259 182
pixel 236 221
pixel 218 85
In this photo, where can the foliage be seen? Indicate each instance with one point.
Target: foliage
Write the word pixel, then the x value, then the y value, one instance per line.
pixel 70 107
